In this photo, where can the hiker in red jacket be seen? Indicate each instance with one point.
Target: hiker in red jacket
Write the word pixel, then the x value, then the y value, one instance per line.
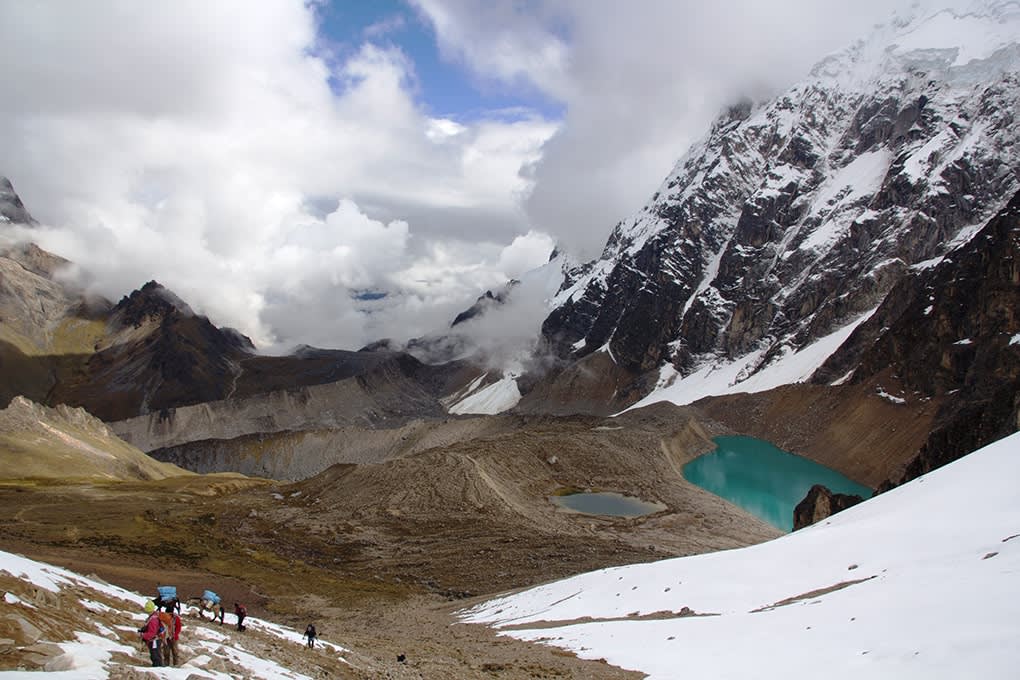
pixel 150 636
pixel 240 612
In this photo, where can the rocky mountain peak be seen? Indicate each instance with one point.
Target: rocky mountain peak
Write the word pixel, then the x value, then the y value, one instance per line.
pixel 157 303
pixel 795 217
pixel 151 301
pixel 485 302
pixel 12 210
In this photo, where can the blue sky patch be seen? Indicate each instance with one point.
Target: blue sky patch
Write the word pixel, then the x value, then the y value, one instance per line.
pixel 443 89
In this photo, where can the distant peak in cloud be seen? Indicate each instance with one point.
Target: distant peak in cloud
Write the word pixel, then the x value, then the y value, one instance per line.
pixel 270 175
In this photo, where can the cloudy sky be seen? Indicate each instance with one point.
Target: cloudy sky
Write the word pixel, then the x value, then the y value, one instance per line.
pixel 332 173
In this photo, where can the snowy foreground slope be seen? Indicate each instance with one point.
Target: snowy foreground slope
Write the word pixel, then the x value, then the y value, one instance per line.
pixel 102 640
pixel 920 582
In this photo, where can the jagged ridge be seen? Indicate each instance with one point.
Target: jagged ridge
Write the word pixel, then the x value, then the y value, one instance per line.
pixel 793 218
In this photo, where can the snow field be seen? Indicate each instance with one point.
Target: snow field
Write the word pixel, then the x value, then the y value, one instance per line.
pixel 920 582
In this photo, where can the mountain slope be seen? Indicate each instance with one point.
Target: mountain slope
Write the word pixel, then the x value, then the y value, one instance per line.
pixel 795 218
pixel 919 582
pixel 47 327
pixel 387 394
pixel 37 442
pixel 64 624
pixel 951 330
pixel 155 353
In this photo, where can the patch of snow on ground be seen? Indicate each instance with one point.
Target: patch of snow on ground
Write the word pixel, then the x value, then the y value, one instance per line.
pixel 843 378
pixel 825 236
pixel 725 377
pixel 495 398
pixel 918 582
pixel 94 606
pixel 927 264
pixel 259 667
pixel 885 395
pixel 11 598
pixel 292 635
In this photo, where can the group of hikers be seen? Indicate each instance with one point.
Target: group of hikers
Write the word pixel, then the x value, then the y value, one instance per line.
pixel 162 628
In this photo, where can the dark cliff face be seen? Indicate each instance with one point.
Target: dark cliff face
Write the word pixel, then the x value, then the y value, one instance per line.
pixel 794 218
pixel 952 330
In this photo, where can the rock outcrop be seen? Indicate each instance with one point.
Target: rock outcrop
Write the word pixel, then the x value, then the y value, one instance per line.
pixel 12 210
pixel 951 330
pixel 484 303
pixel 820 503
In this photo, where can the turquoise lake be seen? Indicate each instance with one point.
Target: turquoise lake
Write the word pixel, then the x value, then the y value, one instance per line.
pixel 606 503
pixel 764 480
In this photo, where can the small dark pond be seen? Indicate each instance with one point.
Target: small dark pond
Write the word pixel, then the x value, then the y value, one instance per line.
pixel 764 480
pixel 606 503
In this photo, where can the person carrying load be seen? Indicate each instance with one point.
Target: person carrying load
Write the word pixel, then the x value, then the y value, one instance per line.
pixel 167 596
pixel 151 632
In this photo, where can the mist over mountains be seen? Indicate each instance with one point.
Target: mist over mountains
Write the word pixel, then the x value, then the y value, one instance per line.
pixel 792 219
pixel 834 269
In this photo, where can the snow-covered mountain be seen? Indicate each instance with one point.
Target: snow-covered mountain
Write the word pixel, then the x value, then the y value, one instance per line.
pixel 793 219
pixel 919 582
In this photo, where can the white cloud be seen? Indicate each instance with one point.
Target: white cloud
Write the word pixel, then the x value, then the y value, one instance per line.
pixel 210 147
pixel 216 148
pixel 391 24
pixel 525 253
pixel 639 83
pixel 512 42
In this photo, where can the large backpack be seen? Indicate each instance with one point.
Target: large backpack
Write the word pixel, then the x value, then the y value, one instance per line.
pixel 166 627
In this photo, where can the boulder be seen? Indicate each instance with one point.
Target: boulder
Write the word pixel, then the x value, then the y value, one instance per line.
pixel 820 503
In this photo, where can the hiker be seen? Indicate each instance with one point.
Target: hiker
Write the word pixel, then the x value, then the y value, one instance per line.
pixel 173 633
pixel 240 612
pixel 151 632
pixel 310 634
pixel 222 614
